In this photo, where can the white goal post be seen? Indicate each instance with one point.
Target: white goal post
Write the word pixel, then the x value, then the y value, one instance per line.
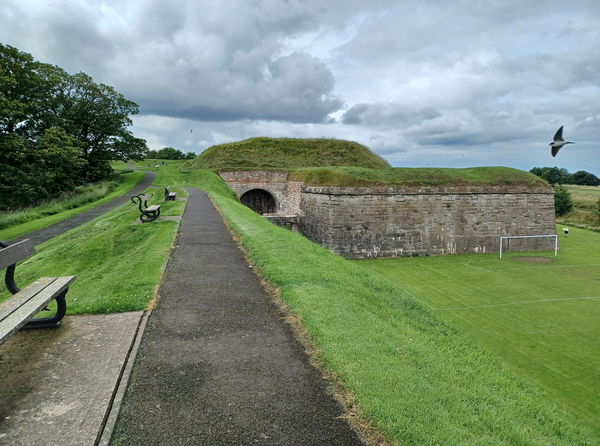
pixel 508 237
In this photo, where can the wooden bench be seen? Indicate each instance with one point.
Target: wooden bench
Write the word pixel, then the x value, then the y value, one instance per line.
pixel 18 310
pixel 169 195
pixel 147 213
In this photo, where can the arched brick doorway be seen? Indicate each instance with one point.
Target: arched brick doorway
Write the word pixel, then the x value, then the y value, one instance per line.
pixel 259 200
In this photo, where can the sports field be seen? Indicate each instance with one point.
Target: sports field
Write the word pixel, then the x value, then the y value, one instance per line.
pixel 539 314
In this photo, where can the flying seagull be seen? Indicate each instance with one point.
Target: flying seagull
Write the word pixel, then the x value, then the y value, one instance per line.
pixel 558 141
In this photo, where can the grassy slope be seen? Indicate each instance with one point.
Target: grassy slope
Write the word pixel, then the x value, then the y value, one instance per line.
pixel 356 176
pixel 287 153
pixel 526 313
pixel 118 263
pixel 584 201
pixel 131 179
pixel 418 379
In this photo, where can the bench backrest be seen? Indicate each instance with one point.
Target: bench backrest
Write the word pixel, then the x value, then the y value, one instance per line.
pixel 140 199
pixel 13 253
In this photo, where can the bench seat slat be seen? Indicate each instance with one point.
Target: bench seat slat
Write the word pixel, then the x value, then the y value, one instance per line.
pixel 15 301
pixel 31 300
pixel 154 207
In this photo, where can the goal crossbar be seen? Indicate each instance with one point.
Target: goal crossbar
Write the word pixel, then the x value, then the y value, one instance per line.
pixel 508 237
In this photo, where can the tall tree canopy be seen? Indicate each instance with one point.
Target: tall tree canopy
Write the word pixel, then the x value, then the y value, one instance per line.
pixel 57 129
pixel 554 175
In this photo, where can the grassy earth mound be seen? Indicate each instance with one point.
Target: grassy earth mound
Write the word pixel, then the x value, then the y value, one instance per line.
pixel 288 153
pixel 405 176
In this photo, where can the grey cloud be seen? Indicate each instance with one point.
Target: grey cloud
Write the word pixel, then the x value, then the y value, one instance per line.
pixel 388 114
pixel 191 59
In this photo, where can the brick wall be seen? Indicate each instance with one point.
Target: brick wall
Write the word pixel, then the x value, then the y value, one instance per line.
pixel 286 193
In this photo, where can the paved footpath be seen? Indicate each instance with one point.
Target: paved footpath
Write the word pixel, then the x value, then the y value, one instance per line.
pixel 216 364
pixel 63 226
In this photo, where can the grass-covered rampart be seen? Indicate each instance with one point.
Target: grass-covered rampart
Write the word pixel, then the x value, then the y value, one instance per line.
pixel 404 176
pixel 288 153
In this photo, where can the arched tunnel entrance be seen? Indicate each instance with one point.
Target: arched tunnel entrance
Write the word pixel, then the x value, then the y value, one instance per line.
pixel 259 200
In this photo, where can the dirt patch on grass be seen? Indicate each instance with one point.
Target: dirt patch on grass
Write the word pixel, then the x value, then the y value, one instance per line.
pixel 535 259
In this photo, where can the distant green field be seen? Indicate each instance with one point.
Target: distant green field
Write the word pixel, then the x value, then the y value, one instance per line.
pixel 584 204
pixel 539 314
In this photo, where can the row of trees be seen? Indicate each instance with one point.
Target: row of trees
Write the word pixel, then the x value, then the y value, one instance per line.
pixel 57 130
pixel 169 153
pixel 554 175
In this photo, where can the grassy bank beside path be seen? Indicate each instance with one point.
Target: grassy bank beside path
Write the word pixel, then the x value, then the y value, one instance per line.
pixel 38 220
pixel 414 376
pixel 118 261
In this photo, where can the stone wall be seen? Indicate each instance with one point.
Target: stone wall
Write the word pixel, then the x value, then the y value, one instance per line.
pixel 286 193
pixel 376 221
pixel 392 221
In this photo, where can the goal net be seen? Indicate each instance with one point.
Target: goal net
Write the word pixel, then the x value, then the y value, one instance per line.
pixel 505 243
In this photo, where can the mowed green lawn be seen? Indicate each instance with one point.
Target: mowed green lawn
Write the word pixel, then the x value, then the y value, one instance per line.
pixel 540 318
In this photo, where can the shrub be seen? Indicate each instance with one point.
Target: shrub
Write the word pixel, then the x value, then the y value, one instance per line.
pixel 563 203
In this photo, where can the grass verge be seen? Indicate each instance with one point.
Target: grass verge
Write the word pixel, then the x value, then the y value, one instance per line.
pixel 48 214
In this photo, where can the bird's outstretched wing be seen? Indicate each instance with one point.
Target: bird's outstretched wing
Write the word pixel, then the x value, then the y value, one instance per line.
pixel 558 136
pixel 555 150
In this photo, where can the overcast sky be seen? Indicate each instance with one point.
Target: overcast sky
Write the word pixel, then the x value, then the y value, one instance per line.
pixel 422 83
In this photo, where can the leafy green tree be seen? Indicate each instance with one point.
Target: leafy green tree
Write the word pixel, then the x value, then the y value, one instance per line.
pixel 190 156
pixel 47 117
pixel 59 161
pixel 169 153
pixel 585 178
pixel 552 175
pixel 98 116
pixel 563 202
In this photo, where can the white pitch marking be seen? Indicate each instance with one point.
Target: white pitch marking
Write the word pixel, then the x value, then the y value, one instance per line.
pixel 514 303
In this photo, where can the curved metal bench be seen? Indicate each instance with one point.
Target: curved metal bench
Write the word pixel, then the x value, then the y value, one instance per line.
pixel 18 310
pixel 147 213
pixel 169 195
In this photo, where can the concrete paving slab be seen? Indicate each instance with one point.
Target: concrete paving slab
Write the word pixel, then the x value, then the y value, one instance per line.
pixel 57 386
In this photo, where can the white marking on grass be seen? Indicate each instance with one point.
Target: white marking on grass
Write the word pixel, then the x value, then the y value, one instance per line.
pixel 479 268
pixel 538 266
pixel 545 265
pixel 521 302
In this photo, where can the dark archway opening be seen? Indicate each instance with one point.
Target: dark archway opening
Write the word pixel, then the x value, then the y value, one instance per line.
pixel 259 200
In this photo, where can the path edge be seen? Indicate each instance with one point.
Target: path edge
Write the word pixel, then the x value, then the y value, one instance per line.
pixel 110 420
